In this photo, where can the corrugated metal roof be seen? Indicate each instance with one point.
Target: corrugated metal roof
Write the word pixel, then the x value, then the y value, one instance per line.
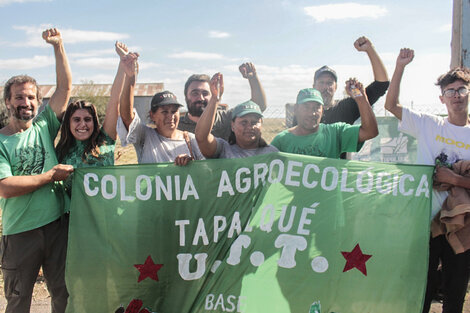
pixel 141 89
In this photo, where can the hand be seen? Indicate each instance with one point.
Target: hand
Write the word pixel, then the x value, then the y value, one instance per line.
pixel 61 172
pixel 248 70
pixel 52 36
pixel 358 85
pixel 130 64
pixel 405 57
pixel 121 49
pixel 217 85
pixel 444 174
pixel 362 44
pixel 183 159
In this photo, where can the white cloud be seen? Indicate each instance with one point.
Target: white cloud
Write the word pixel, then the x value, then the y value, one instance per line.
pixel 342 11
pixel 218 34
pixel 98 63
pixel 74 36
pixel 70 36
pixel 27 63
pixel 445 28
pixel 91 53
pixel 196 55
pixel 97 79
pixel 7 2
pixel 147 65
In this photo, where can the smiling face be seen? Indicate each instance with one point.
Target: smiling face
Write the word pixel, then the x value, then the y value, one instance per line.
pixel 197 97
pixel 23 103
pixel 308 115
pixel 247 130
pixel 166 119
pixel 81 124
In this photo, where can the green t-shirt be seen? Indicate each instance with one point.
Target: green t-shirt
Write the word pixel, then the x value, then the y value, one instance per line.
pixel 329 141
pixel 105 158
pixel 31 153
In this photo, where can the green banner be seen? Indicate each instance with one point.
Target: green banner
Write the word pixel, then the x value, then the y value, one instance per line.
pixel 390 146
pixel 272 233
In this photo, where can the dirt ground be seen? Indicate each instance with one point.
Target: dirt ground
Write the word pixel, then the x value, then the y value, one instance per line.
pixel 41 300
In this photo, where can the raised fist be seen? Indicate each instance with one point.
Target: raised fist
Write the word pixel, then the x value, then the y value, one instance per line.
pixel 248 70
pixel 362 44
pixel 52 36
pixel 405 57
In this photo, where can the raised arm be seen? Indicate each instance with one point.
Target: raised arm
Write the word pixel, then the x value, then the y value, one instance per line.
pixel 112 109
pixel 205 140
pixel 248 71
pixel 61 96
pixel 380 72
pixel 369 128
pixel 391 101
pixel 15 186
pixel 126 107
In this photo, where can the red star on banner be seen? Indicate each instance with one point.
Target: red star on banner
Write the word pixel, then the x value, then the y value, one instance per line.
pixel 148 269
pixel 356 259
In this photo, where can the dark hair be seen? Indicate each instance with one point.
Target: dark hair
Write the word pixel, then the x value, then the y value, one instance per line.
pixel 233 140
pixel 20 79
pixel 196 78
pixel 457 73
pixel 67 140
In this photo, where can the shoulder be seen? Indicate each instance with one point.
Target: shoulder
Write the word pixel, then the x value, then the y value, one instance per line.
pixel 282 134
pixel 224 114
pixel 47 115
pixel 419 116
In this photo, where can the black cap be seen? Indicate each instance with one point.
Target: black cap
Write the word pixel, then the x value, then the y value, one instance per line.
pixel 163 98
pixel 325 69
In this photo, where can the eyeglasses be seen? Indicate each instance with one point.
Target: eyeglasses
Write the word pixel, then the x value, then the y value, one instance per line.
pixel 449 93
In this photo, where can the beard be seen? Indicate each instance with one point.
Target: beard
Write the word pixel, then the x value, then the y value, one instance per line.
pixel 196 108
pixel 19 115
pixel 327 98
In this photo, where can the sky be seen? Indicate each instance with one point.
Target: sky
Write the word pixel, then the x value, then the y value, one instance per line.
pixel 287 41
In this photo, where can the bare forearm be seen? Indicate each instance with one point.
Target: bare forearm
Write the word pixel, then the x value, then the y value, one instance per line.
pixel 378 68
pixel 205 140
pixel 391 100
pixel 460 181
pixel 61 95
pixel 127 101
pixel 206 121
pixel 369 128
pixel 15 186
pixel 257 92
pixel 112 109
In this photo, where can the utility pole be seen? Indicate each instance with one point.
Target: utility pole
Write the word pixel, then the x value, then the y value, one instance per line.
pixel 460 46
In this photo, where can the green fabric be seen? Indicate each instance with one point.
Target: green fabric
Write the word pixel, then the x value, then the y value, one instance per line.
pixel 329 141
pixel 276 224
pixel 74 156
pixel 30 153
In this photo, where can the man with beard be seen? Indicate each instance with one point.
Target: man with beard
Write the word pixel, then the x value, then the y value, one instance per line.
pixel 33 201
pixel 346 110
pixel 197 94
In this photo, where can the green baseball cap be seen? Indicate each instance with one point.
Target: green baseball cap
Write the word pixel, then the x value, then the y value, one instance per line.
pixel 246 108
pixel 309 94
